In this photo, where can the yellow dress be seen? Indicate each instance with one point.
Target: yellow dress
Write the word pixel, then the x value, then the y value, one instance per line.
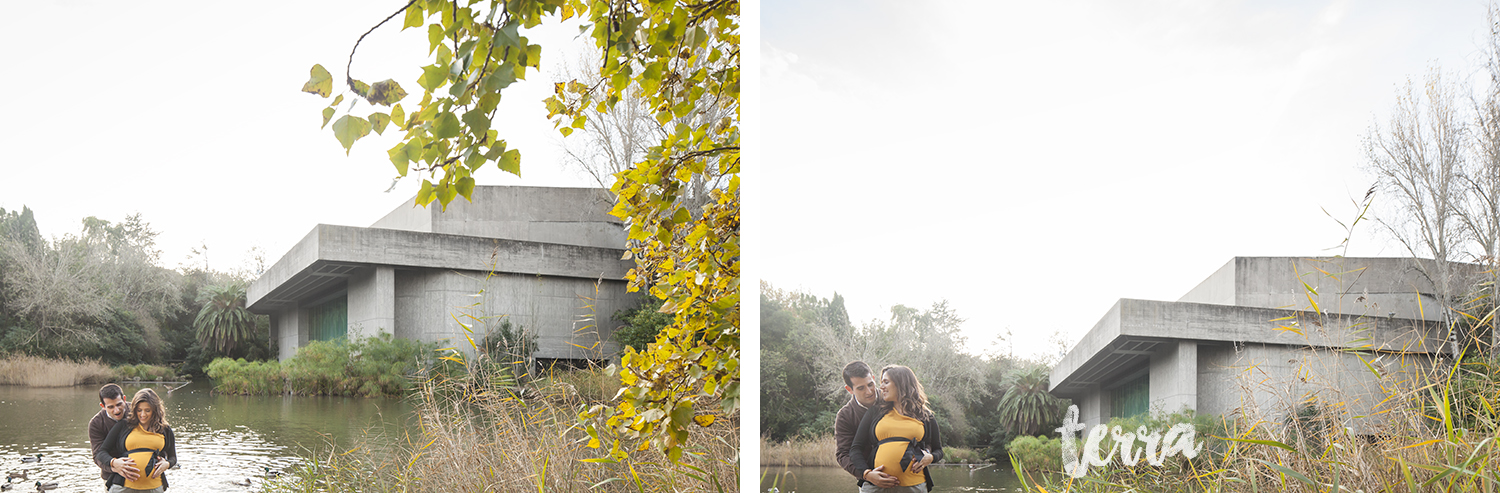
pixel 139 439
pixel 889 454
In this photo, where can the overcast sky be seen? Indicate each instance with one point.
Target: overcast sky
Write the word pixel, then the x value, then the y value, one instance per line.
pixel 1033 162
pixel 190 113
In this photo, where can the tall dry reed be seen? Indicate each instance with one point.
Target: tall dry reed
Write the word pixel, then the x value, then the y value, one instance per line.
pixel 484 433
pixel 32 371
pixel 1433 425
pixel 815 452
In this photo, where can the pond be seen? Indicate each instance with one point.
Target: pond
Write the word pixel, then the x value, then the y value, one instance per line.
pixel 221 439
pixel 833 479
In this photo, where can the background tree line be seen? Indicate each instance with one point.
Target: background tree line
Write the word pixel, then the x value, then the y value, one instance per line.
pixel 981 401
pixel 101 294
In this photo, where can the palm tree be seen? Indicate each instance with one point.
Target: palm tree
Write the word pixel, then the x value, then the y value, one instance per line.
pixel 224 323
pixel 1027 405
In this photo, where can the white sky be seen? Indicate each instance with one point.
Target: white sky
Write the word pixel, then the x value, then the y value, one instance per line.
pixel 1033 162
pixel 191 114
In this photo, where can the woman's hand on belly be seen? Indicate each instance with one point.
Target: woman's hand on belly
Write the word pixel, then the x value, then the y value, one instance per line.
pixel 161 467
pixel 916 467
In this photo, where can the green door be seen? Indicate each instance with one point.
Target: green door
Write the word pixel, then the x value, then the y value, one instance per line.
pixel 1132 398
pixel 329 320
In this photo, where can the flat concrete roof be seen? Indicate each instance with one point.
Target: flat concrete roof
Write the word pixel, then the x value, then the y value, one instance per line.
pixel 328 254
pixel 1127 335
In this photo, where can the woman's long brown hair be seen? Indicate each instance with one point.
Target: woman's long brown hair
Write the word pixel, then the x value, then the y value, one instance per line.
pixel 911 399
pixel 158 413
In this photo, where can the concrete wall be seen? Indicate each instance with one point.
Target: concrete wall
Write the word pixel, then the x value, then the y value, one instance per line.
pixel 1216 379
pixel 1206 322
pixel 1218 288
pixel 571 216
pixel 1355 286
pixel 350 246
pixel 1163 320
pixel 1247 340
pixel 407 217
pixel 1269 382
pixel 558 310
pixel 568 216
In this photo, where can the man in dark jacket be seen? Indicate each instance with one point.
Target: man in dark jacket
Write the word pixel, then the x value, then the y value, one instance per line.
pixel 112 399
pixel 860 383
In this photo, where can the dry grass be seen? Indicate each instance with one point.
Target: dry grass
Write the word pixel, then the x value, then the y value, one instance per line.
pixel 494 440
pixel 1435 428
pixel 818 452
pixel 1421 450
pixel 40 372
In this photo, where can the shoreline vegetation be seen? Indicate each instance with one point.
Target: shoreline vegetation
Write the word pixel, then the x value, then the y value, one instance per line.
pixel 33 371
pixel 482 429
pixel 369 367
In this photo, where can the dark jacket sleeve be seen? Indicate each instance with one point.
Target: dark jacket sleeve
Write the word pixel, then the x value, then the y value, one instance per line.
pixel 109 449
pixel 112 447
pixel 862 452
pixel 98 430
pixel 843 437
pixel 931 439
pixel 934 445
pixel 170 449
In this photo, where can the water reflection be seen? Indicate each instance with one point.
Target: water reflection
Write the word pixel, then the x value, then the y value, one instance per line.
pixel 221 439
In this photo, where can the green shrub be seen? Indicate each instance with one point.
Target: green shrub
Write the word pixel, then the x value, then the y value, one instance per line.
pixel 957 455
pixel 237 376
pixel 145 372
pixel 509 345
pixel 1037 454
pixel 1204 426
pixel 376 366
pixel 642 323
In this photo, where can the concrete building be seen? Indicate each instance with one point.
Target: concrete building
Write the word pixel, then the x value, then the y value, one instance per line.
pixel 1260 336
pixel 546 259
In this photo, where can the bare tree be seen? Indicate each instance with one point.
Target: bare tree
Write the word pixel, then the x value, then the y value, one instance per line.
pixel 54 287
pixel 1485 163
pixel 1419 158
pixel 611 140
pixel 614 140
pixel 76 283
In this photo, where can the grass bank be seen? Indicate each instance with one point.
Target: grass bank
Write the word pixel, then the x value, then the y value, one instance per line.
pixel 483 431
pixel 41 372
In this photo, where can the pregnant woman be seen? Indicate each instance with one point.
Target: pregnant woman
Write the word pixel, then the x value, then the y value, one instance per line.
pixel 145 437
pixel 898 435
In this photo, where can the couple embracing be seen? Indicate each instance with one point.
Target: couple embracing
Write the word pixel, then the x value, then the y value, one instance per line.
pixel 886 436
pixel 132 443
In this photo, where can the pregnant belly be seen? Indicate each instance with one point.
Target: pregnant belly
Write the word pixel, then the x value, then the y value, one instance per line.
pixel 144 463
pixel 889 455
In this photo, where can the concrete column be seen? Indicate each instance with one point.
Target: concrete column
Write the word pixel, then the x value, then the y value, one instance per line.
pixel 289 332
pixel 372 302
pixel 1174 378
pixel 1093 408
